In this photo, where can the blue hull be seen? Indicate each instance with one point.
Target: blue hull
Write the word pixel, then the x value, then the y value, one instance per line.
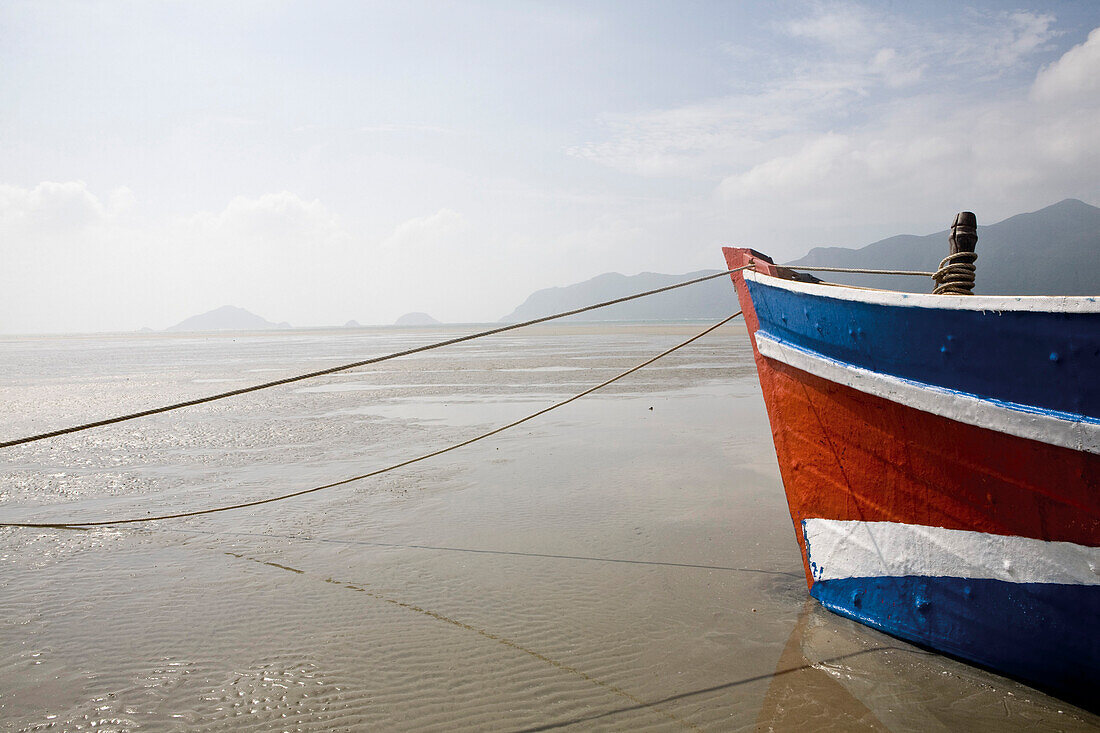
pixel 1040 632
pixel 1054 358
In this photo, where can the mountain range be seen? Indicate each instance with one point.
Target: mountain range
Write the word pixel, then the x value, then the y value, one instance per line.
pixel 1053 251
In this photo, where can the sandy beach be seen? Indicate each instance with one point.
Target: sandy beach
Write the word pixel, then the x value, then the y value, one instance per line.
pixel 625 562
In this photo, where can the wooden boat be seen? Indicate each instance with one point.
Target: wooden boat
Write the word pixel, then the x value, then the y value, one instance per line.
pixel 941 460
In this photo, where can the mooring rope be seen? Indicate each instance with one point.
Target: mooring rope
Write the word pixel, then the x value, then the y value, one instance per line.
pixel 859 271
pixel 354 364
pixel 387 469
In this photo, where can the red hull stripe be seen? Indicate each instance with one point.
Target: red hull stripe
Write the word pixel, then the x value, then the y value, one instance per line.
pixel 1062 429
pixel 845 454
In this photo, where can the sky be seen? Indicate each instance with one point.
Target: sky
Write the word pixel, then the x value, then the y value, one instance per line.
pixel 317 162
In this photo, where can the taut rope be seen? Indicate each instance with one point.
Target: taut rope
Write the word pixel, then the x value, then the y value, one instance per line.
pixel 354 364
pixel 859 271
pixel 387 469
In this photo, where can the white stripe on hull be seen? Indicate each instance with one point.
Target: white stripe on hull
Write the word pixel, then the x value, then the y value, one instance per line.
pixel 998 303
pixel 856 549
pixel 1003 417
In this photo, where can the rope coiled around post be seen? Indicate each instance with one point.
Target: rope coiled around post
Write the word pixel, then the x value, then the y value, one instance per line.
pixel 956 274
pixel 957 271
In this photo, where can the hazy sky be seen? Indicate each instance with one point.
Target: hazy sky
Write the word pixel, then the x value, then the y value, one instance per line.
pixel 316 162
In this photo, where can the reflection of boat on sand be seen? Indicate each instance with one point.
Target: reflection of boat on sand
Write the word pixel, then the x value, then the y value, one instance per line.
pixel 941 460
pixel 836 675
pixel 804 696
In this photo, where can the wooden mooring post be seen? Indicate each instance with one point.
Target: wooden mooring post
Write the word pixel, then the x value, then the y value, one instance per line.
pixel 956 273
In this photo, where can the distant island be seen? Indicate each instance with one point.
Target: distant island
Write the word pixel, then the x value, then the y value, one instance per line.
pixel 416 319
pixel 226 318
pixel 353 324
pixel 1053 251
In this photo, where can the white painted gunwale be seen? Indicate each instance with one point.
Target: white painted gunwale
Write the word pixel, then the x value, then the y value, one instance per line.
pixel 1061 429
pixel 857 549
pixel 995 303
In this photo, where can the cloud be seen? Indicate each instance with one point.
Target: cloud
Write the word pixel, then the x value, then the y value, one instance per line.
pixel 427 235
pixel 895 70
pixel 984 43
pixel 699 141
pixel 449 266
pixel 78 260
pixel 66 251
pixel 872 61
pixel 997 158
pixel 803 89
pixel 841 26
pixel 894 116
pixel 279 254
pixel 1021 34
pixel 819 158
pixel 55 206
pixel 270 217
pixel 407 128
pixel 1075 76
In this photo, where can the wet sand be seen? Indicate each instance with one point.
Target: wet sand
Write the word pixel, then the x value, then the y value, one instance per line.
pixel 605 567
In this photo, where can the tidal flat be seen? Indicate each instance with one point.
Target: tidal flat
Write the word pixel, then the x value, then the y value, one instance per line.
pixel 624 562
